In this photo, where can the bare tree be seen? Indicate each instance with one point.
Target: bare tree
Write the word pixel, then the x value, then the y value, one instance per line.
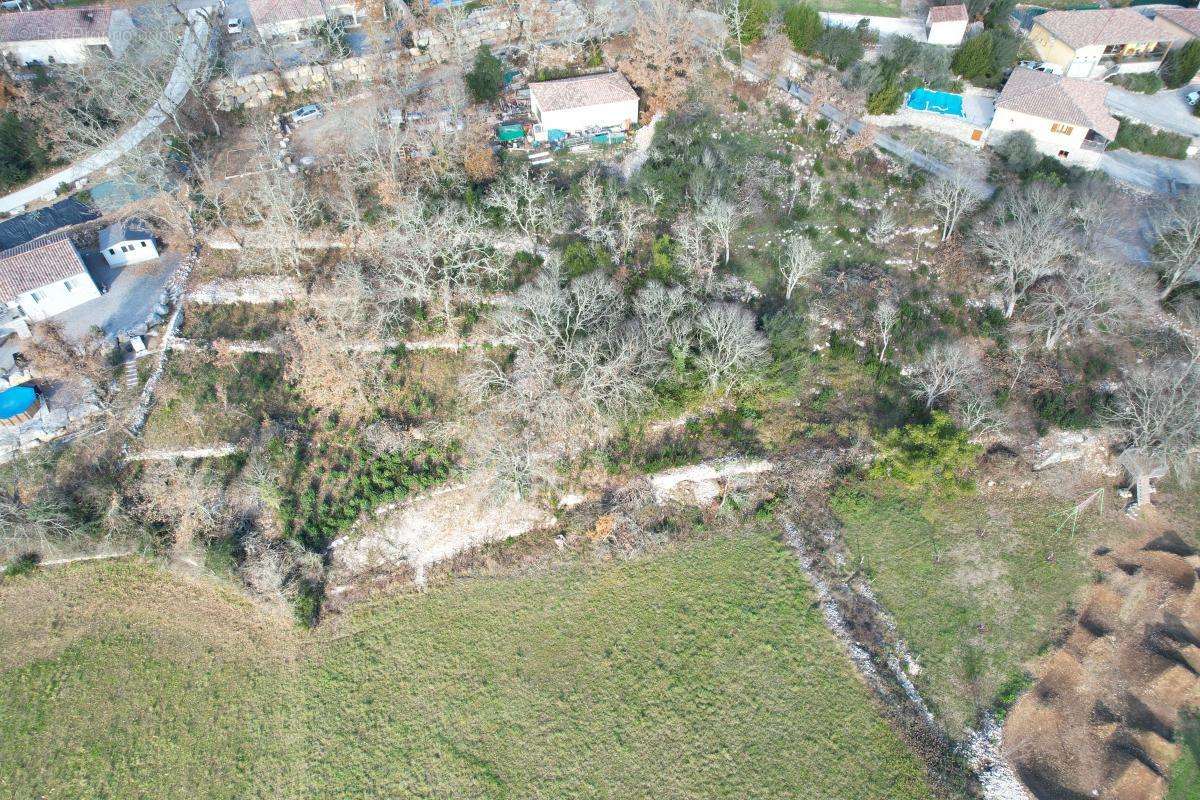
pixel 1097 296
pixel 528 203
pixel 735 23
pixel 720 217
pixel 1158 406
pixel 798 262
pixel 1028 241
pixel 187 500
pixel 697 253
pixel 1177 242
pixel 729 347
pixel 883 227
pixel 945 370
pixel 662 54
pixel 887 314
pixel 953 196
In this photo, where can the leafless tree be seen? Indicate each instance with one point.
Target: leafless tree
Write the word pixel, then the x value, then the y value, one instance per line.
pixel 1177 242
pixel 1095 208
pixel 887 314
pixel 976 412
pixel 662 54
pixel 953 196
pixel 798 262
pixel 945 370
pixel 720 217
pixel 1096 296
pixel 1028 241
pixel 883 227
pixel 729 348
pixel 57 357
pixel 735 22
pixel 698 252
pixel 1158 406
pixel 187 500
pixel 528 203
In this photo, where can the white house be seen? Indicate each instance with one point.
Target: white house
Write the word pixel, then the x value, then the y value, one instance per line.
pixel 1100 42
pixel 946 25
pixel 278 18
pixel 44 277
pixel 575 105
pixel 124 243
pixel 1066 117
pixel 61 35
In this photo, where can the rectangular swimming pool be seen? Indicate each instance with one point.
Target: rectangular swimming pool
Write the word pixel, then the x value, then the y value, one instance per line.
pixel 948 103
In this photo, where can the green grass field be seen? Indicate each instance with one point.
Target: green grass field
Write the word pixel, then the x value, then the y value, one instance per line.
pixel 873 8
pixel 977 587
pixel 703 672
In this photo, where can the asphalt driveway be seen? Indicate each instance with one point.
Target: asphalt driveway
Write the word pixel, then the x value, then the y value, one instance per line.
pixel 1167 110
pixel 132 293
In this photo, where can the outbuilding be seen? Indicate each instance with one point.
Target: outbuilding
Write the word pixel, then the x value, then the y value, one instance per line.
pixel 44 277
pixel 946 25
pixel 56 36
pixel 571 106
pixel 125 243
pixel 294 18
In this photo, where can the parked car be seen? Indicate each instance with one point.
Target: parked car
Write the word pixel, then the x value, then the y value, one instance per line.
pixel 1041 66
pixel 1193 98
pixel 234 25
pixel 305 113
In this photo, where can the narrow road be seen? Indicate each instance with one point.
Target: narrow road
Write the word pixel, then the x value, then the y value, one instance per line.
pixel 1168 110
pixel 193 54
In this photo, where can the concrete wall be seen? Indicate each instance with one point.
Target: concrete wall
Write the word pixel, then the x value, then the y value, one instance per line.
pixel 60 51
pixel 1048 141
pixel 949 34
pixel 134 251
pixel 574 120
pixel 57 297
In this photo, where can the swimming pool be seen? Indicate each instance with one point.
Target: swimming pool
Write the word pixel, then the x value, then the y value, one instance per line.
pixel 16 401
pixel 922 99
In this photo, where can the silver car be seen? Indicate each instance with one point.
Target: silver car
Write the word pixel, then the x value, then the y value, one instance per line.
pixel 305 113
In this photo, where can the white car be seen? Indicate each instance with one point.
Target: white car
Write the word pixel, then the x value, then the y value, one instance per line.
pixel 305 113
pixel 234 25
pixel 1193 98
pixel 1041 66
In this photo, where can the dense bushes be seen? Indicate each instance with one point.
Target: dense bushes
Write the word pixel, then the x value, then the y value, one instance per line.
pixel 1144 82
pixel 840 47
pixel 937 453
pixel 1181 64
pixel 984 59
pixel 1143 139
pixel 886 100
pixel 22 156
pixel 1019 152
pixel 803 26
pixel 902 66
pixel 486 78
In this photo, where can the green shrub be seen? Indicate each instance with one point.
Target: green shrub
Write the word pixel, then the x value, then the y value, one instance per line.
pixel 1181 64
pixel 1144 82
pixel 1018 151
pixel 755 15
pixel 22 565
pixel 803 26
pixel 1009 692
pixel 840 47
pixel 937 453
pixel 22 155
pixel 580 258
pixel 886 100
pixel 985 59
pixel 486 78
pixel 1143 139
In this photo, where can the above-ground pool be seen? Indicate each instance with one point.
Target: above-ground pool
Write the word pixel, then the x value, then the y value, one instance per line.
pixel 922 99
pixel 16 401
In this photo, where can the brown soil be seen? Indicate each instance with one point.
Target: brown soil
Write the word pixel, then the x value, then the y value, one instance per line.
pixel 1101 720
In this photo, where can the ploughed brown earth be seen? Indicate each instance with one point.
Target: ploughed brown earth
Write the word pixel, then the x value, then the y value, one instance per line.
pixel 1102 719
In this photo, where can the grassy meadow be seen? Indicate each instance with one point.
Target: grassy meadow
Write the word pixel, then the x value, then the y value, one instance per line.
pixel 702 672
pixel 978 584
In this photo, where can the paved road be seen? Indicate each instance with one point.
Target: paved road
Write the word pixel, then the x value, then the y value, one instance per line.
pixel 1166 110
pixel 1151 173
pixel 192 56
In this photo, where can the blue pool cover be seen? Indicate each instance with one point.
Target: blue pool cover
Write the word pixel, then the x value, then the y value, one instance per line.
pixel 16 400
pixel 922 99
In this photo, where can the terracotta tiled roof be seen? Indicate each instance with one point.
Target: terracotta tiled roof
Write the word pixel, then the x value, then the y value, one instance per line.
pixel 955 13
pixel 59 23
pixel 1103 26
pixel 38 263
pixel 273 12
pixel 1186 18
pixel 1053 97
pixel 588 90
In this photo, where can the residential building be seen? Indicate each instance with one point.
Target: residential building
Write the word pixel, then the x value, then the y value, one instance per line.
pixel 1182 24
pixel 124 243
pixel 576 105
pixel 43 278
pixel 1096 44
pixel 57 36
pixel 946 25
pixel 1066 117
pixel 279 18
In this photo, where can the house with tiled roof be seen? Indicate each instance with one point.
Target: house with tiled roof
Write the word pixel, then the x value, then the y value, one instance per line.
pixel 280 18
pixel 1100 43
pixel 572 106
pixel 43 278
pixel 946 25
pixel 59 35
pixel 1181 23
pixel 1066 117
